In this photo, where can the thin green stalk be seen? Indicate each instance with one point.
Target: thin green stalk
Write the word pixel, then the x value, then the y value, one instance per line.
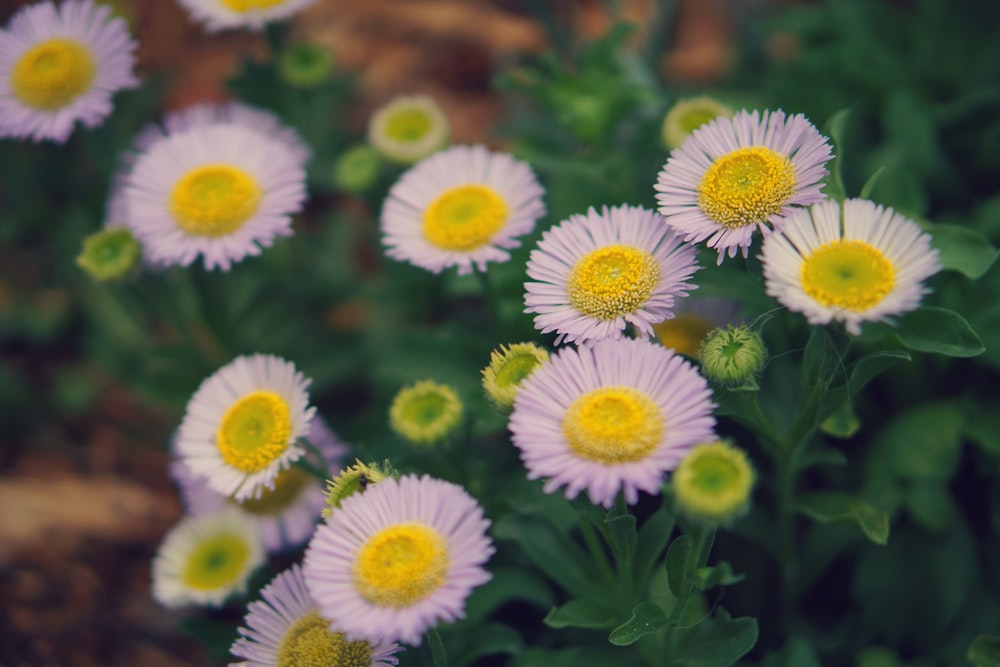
pixel 438 656
pixel 596 550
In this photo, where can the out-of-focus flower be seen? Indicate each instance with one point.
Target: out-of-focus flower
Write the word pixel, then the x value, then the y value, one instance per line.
pixel 357 168
pixel 408 129
pixel 109 254
pixel 426 412
pixel 693 319
pixel 305 64
pixel 253 14
pixel 713 482
pixel 687 115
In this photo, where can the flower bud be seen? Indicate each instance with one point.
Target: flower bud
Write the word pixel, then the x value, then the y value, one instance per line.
pixel 305 65
pixel 733 357
pixel 687 115
pixel 109 254
pixel 354 479
pixel 408 129
pixel 425 413
pixel 508 368
pixel 356 169
pixel 713 482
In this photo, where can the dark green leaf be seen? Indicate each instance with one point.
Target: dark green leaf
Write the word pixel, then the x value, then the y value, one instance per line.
pixel 866 189
pixel 490 639
pixel 822 456
pixel 646 617
pixel 581 613
pixel 962 249
pixel 677 559
pixel 869 367
pixel 833 506
pixel 507 584
pixel 938 330
pixel 843 423
pixel 984 651
pixel 718 642
pixel 621 531
pixel 930 503
pixel 834 129
pixel 652 540
pixel 925 441
pixel 557 555
pixel 718 575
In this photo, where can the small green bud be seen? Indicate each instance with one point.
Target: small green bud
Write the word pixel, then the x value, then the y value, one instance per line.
pixel 357 478
pixel 305 65
pixel 109 254
pixel 687 115
pixel 357 168
pixel 508 368
pixel 733 357
pixel 425 413
pixel 713 483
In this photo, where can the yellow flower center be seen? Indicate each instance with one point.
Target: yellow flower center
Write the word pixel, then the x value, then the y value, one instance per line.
pixel 746 186
pixel 243 6
pixel 408 124
pixel 308 642
pixel 465 218
pixel 612 281
pixel 214 200
pixel 613 425
pixel 713 480
pixel 216 562
pixel 401 565
pixel 684 333
pixel 288 486
pixel 53 73
pixel 255 431
pixel 848 274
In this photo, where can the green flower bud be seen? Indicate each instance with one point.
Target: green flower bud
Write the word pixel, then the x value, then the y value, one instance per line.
pixel 109 254
pixel 425 413
pixel 508 368
pixel 687 115
pixel 713 483
pixel 357 478
pixel 305 65
pixel 733 357
pixel 357 168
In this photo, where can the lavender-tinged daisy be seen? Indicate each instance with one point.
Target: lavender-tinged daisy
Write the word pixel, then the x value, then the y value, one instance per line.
pixel 286 514
pixel 204 560
pixel 242 426
pixel 60 65
pixel 735 176
pixel 595 274
pixel 610 417
pixel 464 207
pixel 254 14
pixel 396 560
pixel 284 628
pixel 219 190
pixel 862 263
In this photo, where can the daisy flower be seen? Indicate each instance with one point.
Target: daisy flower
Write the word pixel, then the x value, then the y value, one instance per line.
pixel 399 558
pixel 254 14
pixel 735 176
pixel 409 128
pixel 285 628
pixel 693 319
pixel 205 559
pixel 461 207
pixel 610 417
pixel 59 65
pixel 862 263
pixel 286 514
pixel 597 273
pixel 221 190
pixel 241 427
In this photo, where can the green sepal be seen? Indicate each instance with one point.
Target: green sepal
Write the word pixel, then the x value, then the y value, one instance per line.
pixel 827 506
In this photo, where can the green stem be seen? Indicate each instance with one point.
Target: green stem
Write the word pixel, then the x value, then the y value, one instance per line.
pixel 594 545
pixel 438 656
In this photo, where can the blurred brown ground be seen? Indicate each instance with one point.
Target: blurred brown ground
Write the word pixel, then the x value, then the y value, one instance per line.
pixel 79 526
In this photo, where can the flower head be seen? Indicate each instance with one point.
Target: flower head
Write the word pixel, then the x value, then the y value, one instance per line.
pixel 461 207
pixel 693 319
pixel 713 483
pixel 284 629
pixel 241 428
pixel 735 176
pixel 733 356
pixel 109 254
pixel 305 64
pixel 426 412
pixel 859 263
pixel 60 65
pixel 219 182
pixel 254 14
pixel 356 478
pixel 687 115
pixel 397 559
pixel 610 417
pixel 409 128
pixel 285 514
pixel 594 274
pixel 508 368
pixel 205 559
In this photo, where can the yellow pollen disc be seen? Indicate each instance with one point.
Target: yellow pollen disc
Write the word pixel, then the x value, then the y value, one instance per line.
pixel 465 218
pixel 255 431
pixel 401 565
pixel 216 562
pixel 52 74
pixel 684 333
pixel 408 124
pixel 847 274
pixel 746 186
pixel 612 281
pixel 214 200
pixel 308 642
pixel 288 486
pixel 613 425
pixel 243 6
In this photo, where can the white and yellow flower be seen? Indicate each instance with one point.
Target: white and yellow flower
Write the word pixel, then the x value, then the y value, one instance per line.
pixel 408 129
pixel 254 14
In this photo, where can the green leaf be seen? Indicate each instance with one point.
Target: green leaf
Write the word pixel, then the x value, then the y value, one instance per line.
pixel 718 575
pixel 718 642
pixel 652 540
pixel 646 617
pixel 507 584
pixel 938 330
pixel 621 531
pixel 834 129
pixel 822 456
pixel 930 503
pixel 869 367
pixel 834 506
pixel 491 639
pixel 580 613
pixel 925 441
pixel 962 249
pixel 984 651
pixel 843 423
pixel 677 558
pixel 866 189
pixel 557 555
